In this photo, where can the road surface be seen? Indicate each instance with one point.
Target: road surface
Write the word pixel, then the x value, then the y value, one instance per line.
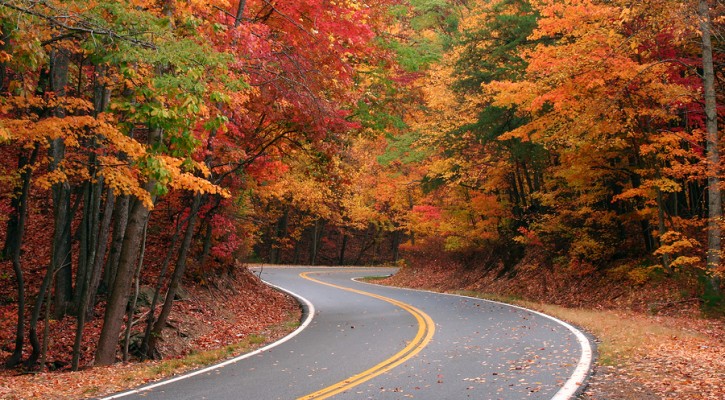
pixel 364 341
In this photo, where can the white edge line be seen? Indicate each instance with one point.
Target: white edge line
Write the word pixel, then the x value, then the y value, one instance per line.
pixel 577 378
pixel 305 323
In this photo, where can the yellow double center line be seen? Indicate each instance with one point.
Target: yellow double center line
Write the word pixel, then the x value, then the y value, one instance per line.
pixel 426 328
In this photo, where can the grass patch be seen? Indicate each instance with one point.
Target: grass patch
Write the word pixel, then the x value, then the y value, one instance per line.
pixel 291 324
pixel 373 278
pixel 90 390
pixel 259 339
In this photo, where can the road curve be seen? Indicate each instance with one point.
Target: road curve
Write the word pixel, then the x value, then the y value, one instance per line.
pixel 365 341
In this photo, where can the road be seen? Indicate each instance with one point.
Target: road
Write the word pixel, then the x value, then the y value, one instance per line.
pixel 364 341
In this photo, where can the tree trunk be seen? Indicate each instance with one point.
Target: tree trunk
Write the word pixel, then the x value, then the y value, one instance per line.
pixel 176 276
pixel 136 285
pixel 520 182
pixel 713 154
pixel 61 246
pixel 88 294
pixel 120 221
pixel 94 238
pixel 159 285
pixel 118 300
pixel 365 244
pixel 343 246
pixel 280 233
pixel 207 244
pixel 662 229
pixel 34 341
pixel 312 254
pixel 397 235
pixel 46 332
pixel 97 270
pixel 88 241
pixel 13 243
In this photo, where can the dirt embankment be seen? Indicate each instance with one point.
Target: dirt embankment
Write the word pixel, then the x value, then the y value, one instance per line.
pixel 226 316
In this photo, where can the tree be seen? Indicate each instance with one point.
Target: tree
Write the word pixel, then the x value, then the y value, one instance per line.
pixel 714 247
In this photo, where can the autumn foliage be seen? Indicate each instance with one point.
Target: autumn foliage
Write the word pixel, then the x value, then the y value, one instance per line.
pixel 149 143
pixel 572 136
pixel 144 143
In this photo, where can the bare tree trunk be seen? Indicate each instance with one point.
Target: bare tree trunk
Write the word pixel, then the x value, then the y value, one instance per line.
pixel 37 307
pixel 61 247
pixel 176 276
pixel 317 233
pixel 662 229
pixel 88 240
pixel 365 244
pixel 280 233
pixel 157 290
pixel 343 246
pixel 88 294
pixel 120 220
pixel 61 250
pixel 713 153
pixel 207 244
pixel 46 333
pixel 136 286
pixel 118 300
pixel 397 236
pixel 13 243
pixel 97 270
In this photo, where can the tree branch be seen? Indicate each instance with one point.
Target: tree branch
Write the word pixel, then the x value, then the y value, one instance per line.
pixel 81 25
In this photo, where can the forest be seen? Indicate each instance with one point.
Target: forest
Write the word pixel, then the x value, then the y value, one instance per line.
pixel 160 143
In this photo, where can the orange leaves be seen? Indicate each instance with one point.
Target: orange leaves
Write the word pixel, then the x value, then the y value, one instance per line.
pixel 572 17
pixel 183 180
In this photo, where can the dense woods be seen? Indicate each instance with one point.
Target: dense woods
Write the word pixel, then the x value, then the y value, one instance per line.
pixel 150 143
pixel 579 136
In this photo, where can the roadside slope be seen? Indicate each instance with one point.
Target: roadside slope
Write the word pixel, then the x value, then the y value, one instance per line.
pixel 228 317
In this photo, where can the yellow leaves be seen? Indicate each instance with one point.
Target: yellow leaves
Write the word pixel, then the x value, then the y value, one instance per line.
pixel 648 190
pixel 441 168
pixel 507 93
pixel 179 179
pixel 4 134
pixel 27 104
pixel 46 181
pixel 124 180
pixel 632 193
pixel 637 275
pixel 678 247
pixel 187 181
pixel 665 185
pixel 120 141
pixel 675 242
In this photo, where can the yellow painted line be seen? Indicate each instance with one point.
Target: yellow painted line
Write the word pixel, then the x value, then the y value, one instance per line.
pixel 426 329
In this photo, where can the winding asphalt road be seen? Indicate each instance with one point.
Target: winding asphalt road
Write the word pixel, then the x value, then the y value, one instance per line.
pixel 363 341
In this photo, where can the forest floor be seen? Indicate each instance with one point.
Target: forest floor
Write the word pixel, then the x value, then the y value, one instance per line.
pixel 220 320
pixel 657 346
